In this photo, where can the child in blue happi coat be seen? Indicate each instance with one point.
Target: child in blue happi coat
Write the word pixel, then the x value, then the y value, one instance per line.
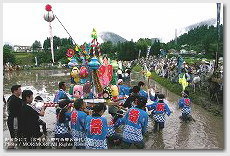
pixel 135 124
pixel 77 124
pixel 62 129
pixel 134 93
pixel 113 137
pixel 160 108
pixel 123 89
pixel 61 93
pixel 143 93
pixel 185 106
pixel 155 96
pixel 96 128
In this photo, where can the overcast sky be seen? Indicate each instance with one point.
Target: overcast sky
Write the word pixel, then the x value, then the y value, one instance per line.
pixel 23 23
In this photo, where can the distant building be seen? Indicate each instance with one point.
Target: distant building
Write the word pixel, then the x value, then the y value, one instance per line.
pixel 183 51
pixel 18 48
pixel 184 46
pixel 193 52
pixel 173 51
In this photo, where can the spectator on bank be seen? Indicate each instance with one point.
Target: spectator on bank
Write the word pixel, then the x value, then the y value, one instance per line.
pixel 41 113
pixel 30 118
pixel 14 105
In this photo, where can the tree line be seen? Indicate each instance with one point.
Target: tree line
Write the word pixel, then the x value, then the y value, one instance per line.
pixel 200 39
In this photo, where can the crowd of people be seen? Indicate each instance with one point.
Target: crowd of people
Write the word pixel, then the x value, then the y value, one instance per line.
pixel 79 126
pixel 196 74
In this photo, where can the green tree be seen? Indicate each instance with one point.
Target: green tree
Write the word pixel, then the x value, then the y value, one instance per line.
pixel 43 57
pixel 110 49
pixel 201 38
pixel 60 46
pixel 66 41
pixel 8 55
pixel 56 43
pixel 60 54
pixel 142 44
pixel 155 48
pixel 127 51
pixel 36 45
pixel 46 44
pixel 106 47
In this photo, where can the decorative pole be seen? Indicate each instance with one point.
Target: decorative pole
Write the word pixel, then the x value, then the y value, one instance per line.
pixel 218 35
pixel 139 55
pixel 148 50
pixel 36 61
pixel 49 17
pixel 51 42
pixel 94 64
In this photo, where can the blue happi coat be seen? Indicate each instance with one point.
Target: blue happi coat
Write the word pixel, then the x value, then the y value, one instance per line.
pixel 60 95
pixel 112 125
pixel 124 90
pixel 160 108
pixel 77 124
pixel 136 122
pixel 185 104
pixel 62 129
pixel 96 132
pixel 145 94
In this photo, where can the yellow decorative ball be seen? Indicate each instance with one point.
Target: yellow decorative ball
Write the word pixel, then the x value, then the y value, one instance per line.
pixel 148 74
pixel 115 91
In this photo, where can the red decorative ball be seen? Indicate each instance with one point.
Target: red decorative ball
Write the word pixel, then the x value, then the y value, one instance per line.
pixel 48 7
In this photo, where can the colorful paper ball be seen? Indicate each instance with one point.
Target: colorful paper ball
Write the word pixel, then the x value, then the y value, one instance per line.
pixel 70 53
pixel 72 63
pixel 115 91
pixel 94 64
pixel 83 72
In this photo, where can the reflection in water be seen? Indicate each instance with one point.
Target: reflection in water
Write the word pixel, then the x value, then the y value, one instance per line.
pixel 40 79
pixel 36 77
pixel 183 136
pixel 158 141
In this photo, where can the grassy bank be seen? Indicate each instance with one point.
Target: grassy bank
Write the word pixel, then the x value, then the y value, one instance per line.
pixel 44 68
pixel 200 97
pixel 24 58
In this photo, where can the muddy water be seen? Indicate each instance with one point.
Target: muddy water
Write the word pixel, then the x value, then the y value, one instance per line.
pixel 206 132
pixel 43 83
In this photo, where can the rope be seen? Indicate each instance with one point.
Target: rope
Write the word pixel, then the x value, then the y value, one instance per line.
pixel 65 29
